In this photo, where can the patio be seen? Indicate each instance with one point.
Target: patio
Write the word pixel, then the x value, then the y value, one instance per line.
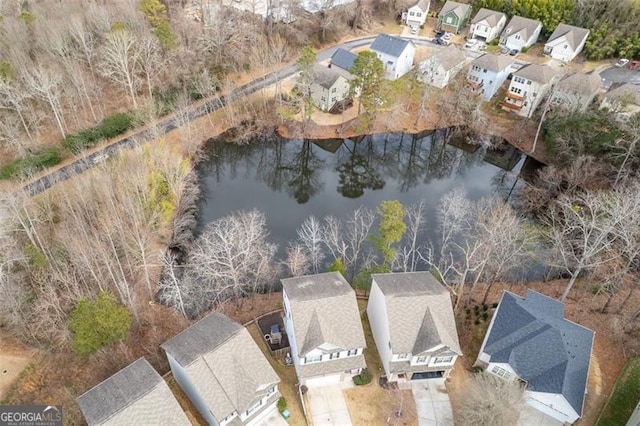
pixel 274 335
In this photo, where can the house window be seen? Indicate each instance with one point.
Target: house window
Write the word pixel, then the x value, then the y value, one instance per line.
pixel 515 90
pixel 323 98
pixel 518 79
pixel 476 68
pixel 312 358
pixel 517 37
pixel 500 372
pixel 334 355
pixel 403 356
pixel 254 407
pixel 353 352
pixel 449 20
pixel 418 14
pixel 421 360
pixel 334 90
pixel 484 70
pixel 529 82
pixel 334 100
pixel 271 391
pixel 389 344
pixel 443 360
pixel 490 81
pixel 412 14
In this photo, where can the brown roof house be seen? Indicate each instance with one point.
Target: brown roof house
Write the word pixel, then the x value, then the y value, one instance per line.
pixel 135 395
pixel 438 69
pixel 324 327
pixel 226 376
pixel 413 325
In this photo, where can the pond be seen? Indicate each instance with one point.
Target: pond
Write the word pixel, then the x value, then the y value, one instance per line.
pixel 289 180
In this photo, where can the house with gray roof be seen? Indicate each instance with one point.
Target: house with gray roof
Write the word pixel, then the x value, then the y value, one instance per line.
pixel 438 69
pixel 135 395
pixel 395 53
pixel 528 88
pixel 223 372
pixel 329 87
pixel 488 73
pixel 530 340
pixel 575 92
pixel 566 42
pixel 454 16
pixel 417 14
pixel 413 325
pixel 342 60
pixel 623 99
pixel 520 33
pixel 487 25
pixel 323 323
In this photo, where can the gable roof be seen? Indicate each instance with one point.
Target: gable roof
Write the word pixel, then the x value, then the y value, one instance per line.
pixel 342 58
pixel 491 16
pixel 538 73
pixel 518 24
pixel 460 9
pixel 549 352
pixel 393 46
pixel 224 364
pixel 324 310
pixel 447 58
pixel 134 395
pixel 625 92
pixel 324 76
pixel 573 35
pixel 579 83
pixel 419 312
pixel 423 5
pixel 493 62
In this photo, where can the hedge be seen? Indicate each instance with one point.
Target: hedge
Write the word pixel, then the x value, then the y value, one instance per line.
pixel 108 128
pixel 31 163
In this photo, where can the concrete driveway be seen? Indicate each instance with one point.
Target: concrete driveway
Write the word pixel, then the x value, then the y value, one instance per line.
pixel 432 402
pixel 532 417
pixel 326 406
pixel 270 418
pixel 619 75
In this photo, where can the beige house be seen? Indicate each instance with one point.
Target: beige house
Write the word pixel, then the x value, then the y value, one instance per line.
pixel 566 42
pixel 416 15
pixel 520 33
pixel 487 25
pixel 575 92
pixel 135 395
pixel 529 86
pixel 438 69
pixel 413 325
pixel 323 323
pixel 624 100
pixel 329 87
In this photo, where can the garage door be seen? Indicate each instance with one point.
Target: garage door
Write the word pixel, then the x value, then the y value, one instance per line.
pixel 427 375
pixel 324 380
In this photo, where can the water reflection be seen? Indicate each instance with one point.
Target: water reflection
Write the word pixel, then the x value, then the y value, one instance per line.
pixel 292 179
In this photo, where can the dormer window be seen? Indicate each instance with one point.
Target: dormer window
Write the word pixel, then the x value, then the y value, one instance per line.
pixel 403 356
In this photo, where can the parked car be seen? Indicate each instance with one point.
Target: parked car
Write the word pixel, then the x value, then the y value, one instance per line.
pixel 514 52
pixel 414 30
pixel 439 33
pixel 438 41
pixel 622 62
pixel 634 65
pixel 504 50
pixel 470 43
pixel 447 36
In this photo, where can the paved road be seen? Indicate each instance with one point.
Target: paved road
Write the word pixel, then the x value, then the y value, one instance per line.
pixel 91 160
pixel 619 75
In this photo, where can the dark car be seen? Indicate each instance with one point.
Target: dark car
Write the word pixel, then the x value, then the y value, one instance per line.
pixel 514 52
pixel 438 41
pixel 439 33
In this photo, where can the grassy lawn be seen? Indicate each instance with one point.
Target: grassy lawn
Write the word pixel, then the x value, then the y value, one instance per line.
pixel 288 378
pixel 625 396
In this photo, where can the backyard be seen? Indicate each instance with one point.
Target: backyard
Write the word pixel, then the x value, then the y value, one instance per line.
pixel 625 396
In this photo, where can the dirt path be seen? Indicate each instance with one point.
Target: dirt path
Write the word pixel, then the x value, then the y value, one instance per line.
pixel 14 357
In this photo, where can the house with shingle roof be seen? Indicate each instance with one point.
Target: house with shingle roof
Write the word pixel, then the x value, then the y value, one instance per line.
pixel 219 366
pixel 530 340
pixel 487 74
pixel 566 42
pixel 438 69
pixel 323 323
pixel 520 33
pixel 529 86
pixel 413 325
pixel 575 92
pixel 329 87
pixel 417 14
pixel 487 25
pixel 342 60
pixel 624 100
pixel 135 395
pixel 454 16
pixel 395 53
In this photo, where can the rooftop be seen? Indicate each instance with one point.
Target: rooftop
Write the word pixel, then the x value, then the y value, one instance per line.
pixel 519 24
pixel 573 35
pixel 393 46
pixel 491 16
pixel 460 9
pixel 535 72
pixel 493 62
pixel 343 58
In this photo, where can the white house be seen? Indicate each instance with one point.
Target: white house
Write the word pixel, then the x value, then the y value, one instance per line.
pixel 325 332
pixel 438 69
pixel 575 92
pixel 329 87
pixel 624 100
pixel 218 365
pixel 520 33
pixel 530 340
pixel 395 53
pixel 135 395
pixel 566 42
pixel 413 325
pixel 634 420
pixel 487 25
pixel 417 14
pixel 528 88
pixel 487 73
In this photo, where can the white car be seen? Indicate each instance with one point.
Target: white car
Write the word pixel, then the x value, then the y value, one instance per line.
pixel 470 43
pixel 622 62
pixel 447 36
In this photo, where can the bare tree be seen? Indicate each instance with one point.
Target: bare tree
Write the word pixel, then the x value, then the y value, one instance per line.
pixel 490 401
pixel 297 261
pixel 311 237
pixel 120 61
pixel 45 83
pixel 411 250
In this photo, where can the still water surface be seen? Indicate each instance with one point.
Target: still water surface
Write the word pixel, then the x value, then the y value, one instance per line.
pixel 290 180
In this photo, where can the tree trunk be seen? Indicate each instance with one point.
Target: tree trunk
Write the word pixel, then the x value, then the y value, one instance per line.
pixel 570 284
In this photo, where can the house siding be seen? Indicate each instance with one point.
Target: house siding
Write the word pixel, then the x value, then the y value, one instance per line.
pixel 482 30
pixel 418 18
pixel 553 405
pixel 379 321
pixel 532 92
pixel 325 99
pixel 515 41
pixel 490 81
pixel 396 67
pixel 288 325
pixel 182 377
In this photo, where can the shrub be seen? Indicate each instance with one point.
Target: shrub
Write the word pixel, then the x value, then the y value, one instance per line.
pixel 30 164
pixel 108 128
pixel 282 404
pixel 362 378
pixel 97 323
pixel 337 266
pixel 115 125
